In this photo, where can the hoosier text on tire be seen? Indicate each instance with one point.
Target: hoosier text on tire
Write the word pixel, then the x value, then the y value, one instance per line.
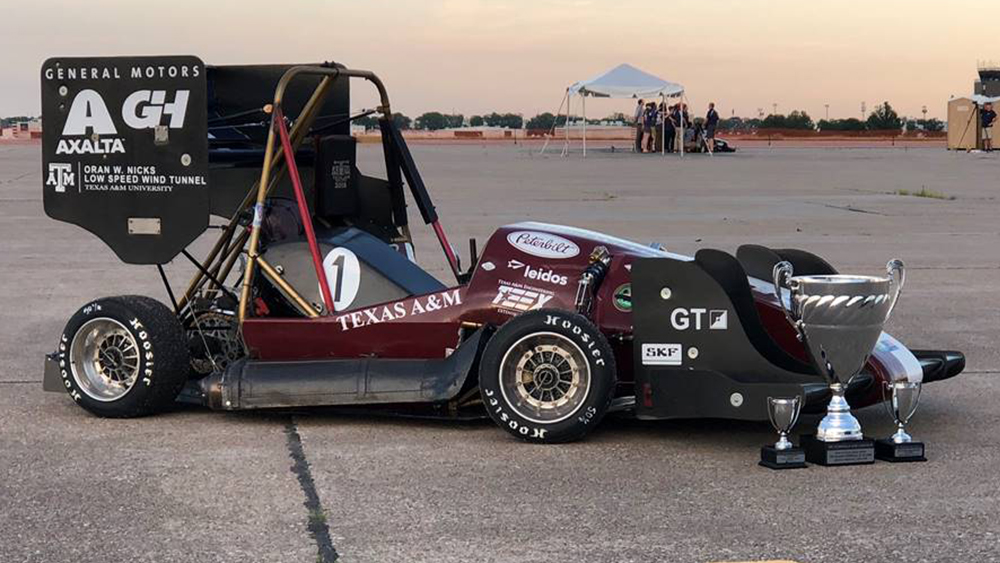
pixel 547 376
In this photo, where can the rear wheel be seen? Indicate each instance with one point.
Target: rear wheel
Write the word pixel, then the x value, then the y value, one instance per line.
pixel 547 376
pixel 123 357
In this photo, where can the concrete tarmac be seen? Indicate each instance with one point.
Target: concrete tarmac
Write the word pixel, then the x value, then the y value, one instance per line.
pixel 194 485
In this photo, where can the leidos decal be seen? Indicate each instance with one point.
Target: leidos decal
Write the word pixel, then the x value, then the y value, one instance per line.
pixel 543 245
pixel 399 310
pixel 540 274
pixel 89 117
pixel 699 319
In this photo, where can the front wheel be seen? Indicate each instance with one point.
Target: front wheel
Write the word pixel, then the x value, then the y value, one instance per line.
pixel 123 357
pixel 547 376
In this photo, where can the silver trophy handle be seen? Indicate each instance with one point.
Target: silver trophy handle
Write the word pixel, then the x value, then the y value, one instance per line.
pixel 781 273
pixel 897 273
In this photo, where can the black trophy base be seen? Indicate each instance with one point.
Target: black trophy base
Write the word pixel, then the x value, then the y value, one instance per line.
pixel 848 452
pixel 773 458
pixel 887 450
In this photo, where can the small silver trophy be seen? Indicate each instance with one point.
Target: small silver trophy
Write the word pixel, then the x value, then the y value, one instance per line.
pixel 783 412
pixel 901 399
pixel 839 318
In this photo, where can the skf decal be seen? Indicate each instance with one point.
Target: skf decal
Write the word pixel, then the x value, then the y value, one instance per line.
pixel 699 319
pixel 661 354
pixel 399 310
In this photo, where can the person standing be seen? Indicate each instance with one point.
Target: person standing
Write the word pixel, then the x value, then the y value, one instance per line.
pixel 637 117
pixel 711 121
pixel 648 123
pixel 669 130
pixel 989 117
pixel 678 117
pixel 658 128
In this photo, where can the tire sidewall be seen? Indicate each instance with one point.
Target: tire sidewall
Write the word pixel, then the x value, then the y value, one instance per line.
pixel 140 396
pixel 600 361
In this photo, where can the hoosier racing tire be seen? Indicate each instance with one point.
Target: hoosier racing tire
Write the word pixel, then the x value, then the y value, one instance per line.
pixel 547 376
pixel 123 357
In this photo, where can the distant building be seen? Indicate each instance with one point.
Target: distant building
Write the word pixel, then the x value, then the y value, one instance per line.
pixel 989 80
pixel 22 130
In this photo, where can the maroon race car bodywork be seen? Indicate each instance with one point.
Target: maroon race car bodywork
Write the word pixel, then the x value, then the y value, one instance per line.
pixel 525 266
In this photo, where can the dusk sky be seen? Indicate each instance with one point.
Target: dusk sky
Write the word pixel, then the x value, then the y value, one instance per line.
pixel 475 56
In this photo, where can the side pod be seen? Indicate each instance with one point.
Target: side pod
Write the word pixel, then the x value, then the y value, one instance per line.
pixel 700 347
pixel 251 384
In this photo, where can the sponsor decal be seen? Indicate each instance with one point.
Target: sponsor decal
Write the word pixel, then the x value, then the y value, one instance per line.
pixel 488 266
pixel 538 274
pixel 697 318
pixel 514 298
pixel 90 118
pixel 142 109
pixel 399 310
pixel 543 245
pixel 60 176
pixel 622 297
pixel 662 354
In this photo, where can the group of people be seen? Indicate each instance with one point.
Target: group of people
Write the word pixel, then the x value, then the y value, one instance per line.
pixel 662 128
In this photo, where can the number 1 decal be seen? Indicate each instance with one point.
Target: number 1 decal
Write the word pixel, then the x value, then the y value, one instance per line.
pixel 343 273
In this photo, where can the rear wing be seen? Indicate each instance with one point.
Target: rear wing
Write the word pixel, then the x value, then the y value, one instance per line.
pixel 141 150
pixel 125 151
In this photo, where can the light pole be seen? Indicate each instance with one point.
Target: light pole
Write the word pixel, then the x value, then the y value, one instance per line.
pixel 827 106
pixel 863 111
pixel 774 108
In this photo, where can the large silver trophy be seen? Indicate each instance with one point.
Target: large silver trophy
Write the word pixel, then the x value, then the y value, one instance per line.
pixel 901 401
pixel 839 318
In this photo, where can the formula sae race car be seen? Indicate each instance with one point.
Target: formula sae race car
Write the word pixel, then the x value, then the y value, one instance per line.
pixel 311 295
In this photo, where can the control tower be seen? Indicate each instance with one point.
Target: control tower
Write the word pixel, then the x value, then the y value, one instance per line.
pixel 989 79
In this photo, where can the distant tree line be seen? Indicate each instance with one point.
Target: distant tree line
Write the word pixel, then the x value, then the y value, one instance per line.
pixel 10 121
pixel 435 120
pixel 882 118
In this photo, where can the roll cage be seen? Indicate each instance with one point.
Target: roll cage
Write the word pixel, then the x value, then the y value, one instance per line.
pixel 281 142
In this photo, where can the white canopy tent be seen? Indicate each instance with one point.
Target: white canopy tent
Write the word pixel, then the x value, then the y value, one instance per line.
pixel 622 81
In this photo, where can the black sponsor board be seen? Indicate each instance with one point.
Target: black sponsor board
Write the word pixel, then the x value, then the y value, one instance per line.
pixel 125 151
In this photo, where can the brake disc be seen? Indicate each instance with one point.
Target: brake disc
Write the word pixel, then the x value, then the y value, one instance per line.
pixel 218 334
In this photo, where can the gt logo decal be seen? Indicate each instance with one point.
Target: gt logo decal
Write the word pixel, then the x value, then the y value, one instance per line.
pixel 695 317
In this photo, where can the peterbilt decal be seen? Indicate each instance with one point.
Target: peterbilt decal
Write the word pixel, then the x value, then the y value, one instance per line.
pixel 543 245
